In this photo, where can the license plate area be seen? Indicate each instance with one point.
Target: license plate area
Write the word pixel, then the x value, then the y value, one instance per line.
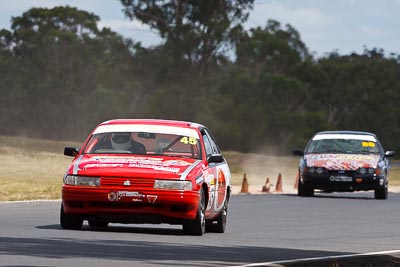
pixel 341 178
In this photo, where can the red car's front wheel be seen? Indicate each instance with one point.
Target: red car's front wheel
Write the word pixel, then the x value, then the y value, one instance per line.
pixel 70 221
pixel 198 225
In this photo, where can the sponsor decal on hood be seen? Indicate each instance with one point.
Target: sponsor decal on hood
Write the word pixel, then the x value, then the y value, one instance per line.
pixel 88 163
pixel 342 161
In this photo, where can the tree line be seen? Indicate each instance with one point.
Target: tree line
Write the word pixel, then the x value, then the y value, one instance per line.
pixel 257 90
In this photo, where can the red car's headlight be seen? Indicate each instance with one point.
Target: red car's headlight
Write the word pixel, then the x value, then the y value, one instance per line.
pixel 173 185
pixel 81 180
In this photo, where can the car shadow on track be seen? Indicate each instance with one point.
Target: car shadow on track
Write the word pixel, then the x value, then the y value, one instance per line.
pixel 146 253
pixel 326 195
pixel 357 195
pixel 154 230
pixel 150 253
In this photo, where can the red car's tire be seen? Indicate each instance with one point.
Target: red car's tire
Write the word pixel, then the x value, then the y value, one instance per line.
pixel 198 225
pixel 70 221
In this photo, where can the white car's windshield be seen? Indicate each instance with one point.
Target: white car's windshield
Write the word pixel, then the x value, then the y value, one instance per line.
pixel 165 142
pixel 346 146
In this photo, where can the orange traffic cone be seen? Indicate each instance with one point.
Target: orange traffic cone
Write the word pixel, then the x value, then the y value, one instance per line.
pixel 278 187
pixel 245 185
pixel 296 182
pixel 267 187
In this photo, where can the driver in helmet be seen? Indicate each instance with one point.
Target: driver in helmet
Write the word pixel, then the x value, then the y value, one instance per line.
pixel 124 141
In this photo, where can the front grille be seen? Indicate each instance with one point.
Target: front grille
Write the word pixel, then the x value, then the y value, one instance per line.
pixel 129 182
pixel 139 205
pixel 127 205
pixel 347 172
pixel 75 204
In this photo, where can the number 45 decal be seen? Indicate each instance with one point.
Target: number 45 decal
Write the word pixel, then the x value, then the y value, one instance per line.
pixel 188 140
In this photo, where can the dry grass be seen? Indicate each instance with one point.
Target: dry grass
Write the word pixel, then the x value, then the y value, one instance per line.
pixel 33 168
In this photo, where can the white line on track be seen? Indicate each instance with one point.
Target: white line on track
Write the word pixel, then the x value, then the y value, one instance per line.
pixel 30 201
pixel 274 263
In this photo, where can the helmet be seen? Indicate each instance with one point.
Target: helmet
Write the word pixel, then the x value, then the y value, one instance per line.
pixel 121 141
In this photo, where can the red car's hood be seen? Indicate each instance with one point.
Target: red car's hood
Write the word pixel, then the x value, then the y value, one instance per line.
pixel 122 165
pixel 349 162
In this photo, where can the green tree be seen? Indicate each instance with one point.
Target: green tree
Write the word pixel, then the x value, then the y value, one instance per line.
pixel 362 93
pixel 194 30
pixel 8 86
pixel 269 100
pixel 69 69
pixel 271 49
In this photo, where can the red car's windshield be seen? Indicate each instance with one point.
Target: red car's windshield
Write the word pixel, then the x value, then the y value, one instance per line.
pixel 144 143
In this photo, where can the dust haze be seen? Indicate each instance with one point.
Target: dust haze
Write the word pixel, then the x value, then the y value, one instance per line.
pixel 260 166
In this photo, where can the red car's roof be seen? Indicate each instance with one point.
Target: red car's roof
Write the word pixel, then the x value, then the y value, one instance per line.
pixel 153 122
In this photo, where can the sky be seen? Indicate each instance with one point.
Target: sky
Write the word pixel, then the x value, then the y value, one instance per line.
pixel 344 26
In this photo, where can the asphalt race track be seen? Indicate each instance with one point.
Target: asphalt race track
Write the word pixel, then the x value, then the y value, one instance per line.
pixel 261 230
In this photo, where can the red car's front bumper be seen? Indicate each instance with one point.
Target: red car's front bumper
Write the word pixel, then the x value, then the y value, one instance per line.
pixel 126 206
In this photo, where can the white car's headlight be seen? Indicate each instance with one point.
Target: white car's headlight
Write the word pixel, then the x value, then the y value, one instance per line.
pixel 366 170
pixel 173 184
pixel 82 180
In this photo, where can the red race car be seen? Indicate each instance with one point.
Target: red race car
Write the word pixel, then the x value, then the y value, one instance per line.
pixel 147 171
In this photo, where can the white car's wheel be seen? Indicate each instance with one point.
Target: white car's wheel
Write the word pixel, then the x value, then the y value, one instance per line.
pixel 305 190
pixel 381 192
